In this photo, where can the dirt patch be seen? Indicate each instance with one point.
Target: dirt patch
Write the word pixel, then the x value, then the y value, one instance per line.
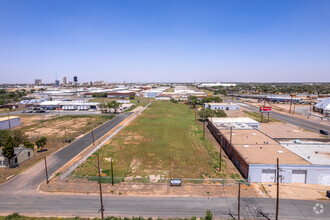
pixel 134 165
pixel 27 120
pixel 150 189
pixel 296 191
pixel 133 138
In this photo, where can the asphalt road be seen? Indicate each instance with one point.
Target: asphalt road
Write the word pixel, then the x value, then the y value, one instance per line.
pixel 302 123
pixel 88 205
pixel 30 179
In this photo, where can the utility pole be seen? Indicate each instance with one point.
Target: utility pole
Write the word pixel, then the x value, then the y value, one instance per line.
pixel 231 134
pixel 239 202
pixel 220 159
pixel 290 105
pixel 101 199
pixel 261 116
pixel 111 172
pixel 277 188
pixel 93 135
pixel 65 135
pixel 294 107
pixel 9 121
pixel 268 118
pixel 46 171
pixel 204 129
pixel 195 114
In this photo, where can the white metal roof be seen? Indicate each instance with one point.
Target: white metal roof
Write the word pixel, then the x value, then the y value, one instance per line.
pixel 221 103
pixel 314 152
pixel 325 104
pixel 233 120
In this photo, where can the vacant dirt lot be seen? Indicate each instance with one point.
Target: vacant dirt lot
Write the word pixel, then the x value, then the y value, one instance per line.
pixel 27 120
pixel 53 129
pixel 294 191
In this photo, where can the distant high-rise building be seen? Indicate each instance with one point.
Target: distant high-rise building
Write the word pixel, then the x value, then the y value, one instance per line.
pixel 64 81
pixel 57 82
pixel 38 82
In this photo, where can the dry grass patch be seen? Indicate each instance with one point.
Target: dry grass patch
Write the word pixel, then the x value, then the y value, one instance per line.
pixel 156 144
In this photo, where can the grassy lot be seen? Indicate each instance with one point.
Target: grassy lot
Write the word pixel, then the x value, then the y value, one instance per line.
pixel 165 140
pixel 256 116
pixel 54 129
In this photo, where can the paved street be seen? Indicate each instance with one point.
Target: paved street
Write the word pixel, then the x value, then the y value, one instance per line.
pixel 31 203
pixel 30 179
pixel 302 123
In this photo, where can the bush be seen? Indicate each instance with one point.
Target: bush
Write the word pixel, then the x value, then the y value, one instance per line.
pixel 173 100
pixel 13 216
pixel 209 215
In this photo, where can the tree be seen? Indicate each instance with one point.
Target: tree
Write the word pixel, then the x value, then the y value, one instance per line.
pixel 103 107
pixel 192 100
pixel 209 215
pixel 220 113
pixel 114 105
pixel 18 137
pixel 41 142
pixel 4 134
pixel 211 99
pixel 28 144
pixel 173 100
pixel 131 97
pixel 207 112
pixel 8 150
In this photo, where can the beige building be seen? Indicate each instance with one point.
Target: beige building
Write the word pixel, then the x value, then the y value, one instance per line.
pixel 21 154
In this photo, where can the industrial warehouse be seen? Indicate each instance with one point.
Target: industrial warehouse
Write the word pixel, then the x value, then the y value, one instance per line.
pixel 222 106
pixel 9 122
pixel 255 154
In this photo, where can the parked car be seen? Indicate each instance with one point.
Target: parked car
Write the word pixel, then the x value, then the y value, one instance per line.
pixel 324 132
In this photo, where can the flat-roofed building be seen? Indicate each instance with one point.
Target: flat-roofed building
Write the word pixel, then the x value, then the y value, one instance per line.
pixel 11 122
pixel 222 106
pixel 255 155
pixel 235 123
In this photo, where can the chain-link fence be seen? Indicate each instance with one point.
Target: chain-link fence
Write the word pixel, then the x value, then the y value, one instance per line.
pixel 155 180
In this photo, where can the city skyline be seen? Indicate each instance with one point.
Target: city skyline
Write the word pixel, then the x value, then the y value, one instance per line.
pixel 165 41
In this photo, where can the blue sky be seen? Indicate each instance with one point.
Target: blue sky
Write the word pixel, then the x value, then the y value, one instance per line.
pixel 158 40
